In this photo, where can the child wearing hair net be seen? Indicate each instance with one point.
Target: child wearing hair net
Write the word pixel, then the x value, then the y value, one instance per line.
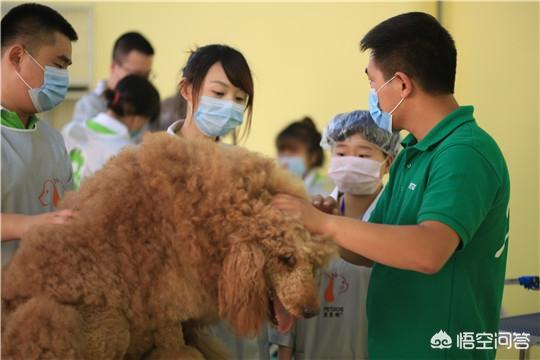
pixel 361 154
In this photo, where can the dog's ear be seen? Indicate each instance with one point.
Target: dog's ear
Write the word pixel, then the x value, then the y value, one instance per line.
pixel 243 296
pixel 321 250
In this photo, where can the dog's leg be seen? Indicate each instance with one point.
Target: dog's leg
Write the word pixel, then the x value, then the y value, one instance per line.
pixel 170 345
pixel 106 333
pixel 210 346
pixel 41 328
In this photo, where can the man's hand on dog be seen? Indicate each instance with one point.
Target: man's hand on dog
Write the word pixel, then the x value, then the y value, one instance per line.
pixel 14 226
pixel 312 218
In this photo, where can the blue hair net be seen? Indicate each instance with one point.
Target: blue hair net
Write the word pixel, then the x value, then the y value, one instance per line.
pixel 342 126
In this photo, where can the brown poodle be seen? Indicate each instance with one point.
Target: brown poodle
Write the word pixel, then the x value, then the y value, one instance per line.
pixel 170 236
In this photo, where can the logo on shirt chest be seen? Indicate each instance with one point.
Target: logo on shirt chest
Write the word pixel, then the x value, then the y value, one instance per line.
pixel 51 192
pixel 333 311
pixel 336 286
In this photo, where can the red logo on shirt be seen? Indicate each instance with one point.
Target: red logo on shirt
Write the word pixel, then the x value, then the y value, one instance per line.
pixel 50 193
pixel 333 280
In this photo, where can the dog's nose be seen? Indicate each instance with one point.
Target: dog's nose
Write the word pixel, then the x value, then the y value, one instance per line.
pixel 309 312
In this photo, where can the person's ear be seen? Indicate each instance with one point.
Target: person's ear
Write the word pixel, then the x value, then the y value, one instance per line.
pixel 406 84
pixel 186 90
pixel 115 76
pixel 387 163
pixel 114 67
pixel 15 54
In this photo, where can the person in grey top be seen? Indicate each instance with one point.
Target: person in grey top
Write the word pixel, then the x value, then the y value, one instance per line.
pixel 35 167
pixel 132 54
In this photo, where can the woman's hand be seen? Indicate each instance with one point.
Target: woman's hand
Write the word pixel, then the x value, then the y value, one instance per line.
pixel 312 218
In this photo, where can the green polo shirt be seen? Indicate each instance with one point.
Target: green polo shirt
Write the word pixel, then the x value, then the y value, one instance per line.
pixel 456 175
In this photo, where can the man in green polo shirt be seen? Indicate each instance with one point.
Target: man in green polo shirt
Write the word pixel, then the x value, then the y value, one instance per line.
pixel 439 233
pixel 36 51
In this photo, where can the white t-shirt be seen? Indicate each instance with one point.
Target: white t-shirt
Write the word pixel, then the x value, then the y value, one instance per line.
pixel 317 183
pixel 91 104
pixel 92 143
pixel 36 172
pixel 340 329
pixel 174 127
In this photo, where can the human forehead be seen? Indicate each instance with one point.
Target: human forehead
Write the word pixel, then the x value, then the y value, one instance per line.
pixel 372 70
pixel 216 72
pixel 216 76
pixel 137 60
pixel 356 141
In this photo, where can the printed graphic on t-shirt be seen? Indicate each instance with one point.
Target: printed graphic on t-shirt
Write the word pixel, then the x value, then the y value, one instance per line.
pixel 50 192
pixel 337 285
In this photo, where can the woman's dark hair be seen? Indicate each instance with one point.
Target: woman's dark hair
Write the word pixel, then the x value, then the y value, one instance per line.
pixel 235 66
pixel 134 95
pixel 304 132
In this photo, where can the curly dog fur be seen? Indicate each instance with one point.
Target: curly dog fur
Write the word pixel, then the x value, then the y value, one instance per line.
pixel 170 236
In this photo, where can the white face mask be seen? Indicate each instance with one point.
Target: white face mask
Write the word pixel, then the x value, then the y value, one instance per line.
pixel 355 175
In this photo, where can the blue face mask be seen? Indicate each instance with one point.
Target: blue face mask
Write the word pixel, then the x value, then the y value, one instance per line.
pixel 136 135
pixel 295 164
pixel 381 118
pixel 216 117
pixel 54 88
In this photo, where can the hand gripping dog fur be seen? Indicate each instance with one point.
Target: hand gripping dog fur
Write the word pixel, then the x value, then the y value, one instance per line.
pixel 170 236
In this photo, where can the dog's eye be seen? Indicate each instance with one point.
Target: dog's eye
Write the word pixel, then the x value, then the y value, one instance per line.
pixel 288 260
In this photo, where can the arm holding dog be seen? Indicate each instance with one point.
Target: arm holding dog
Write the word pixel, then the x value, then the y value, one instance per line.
pixel 424 247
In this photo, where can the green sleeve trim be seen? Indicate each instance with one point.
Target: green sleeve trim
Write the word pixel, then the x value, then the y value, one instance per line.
pixel 97 127
pixel 463 234
pixel 77 163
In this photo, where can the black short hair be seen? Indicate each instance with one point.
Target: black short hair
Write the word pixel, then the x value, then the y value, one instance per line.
pixel 418 45
pixel 128 42
pixel 302 132
pixel 134 95
pixel 34 25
